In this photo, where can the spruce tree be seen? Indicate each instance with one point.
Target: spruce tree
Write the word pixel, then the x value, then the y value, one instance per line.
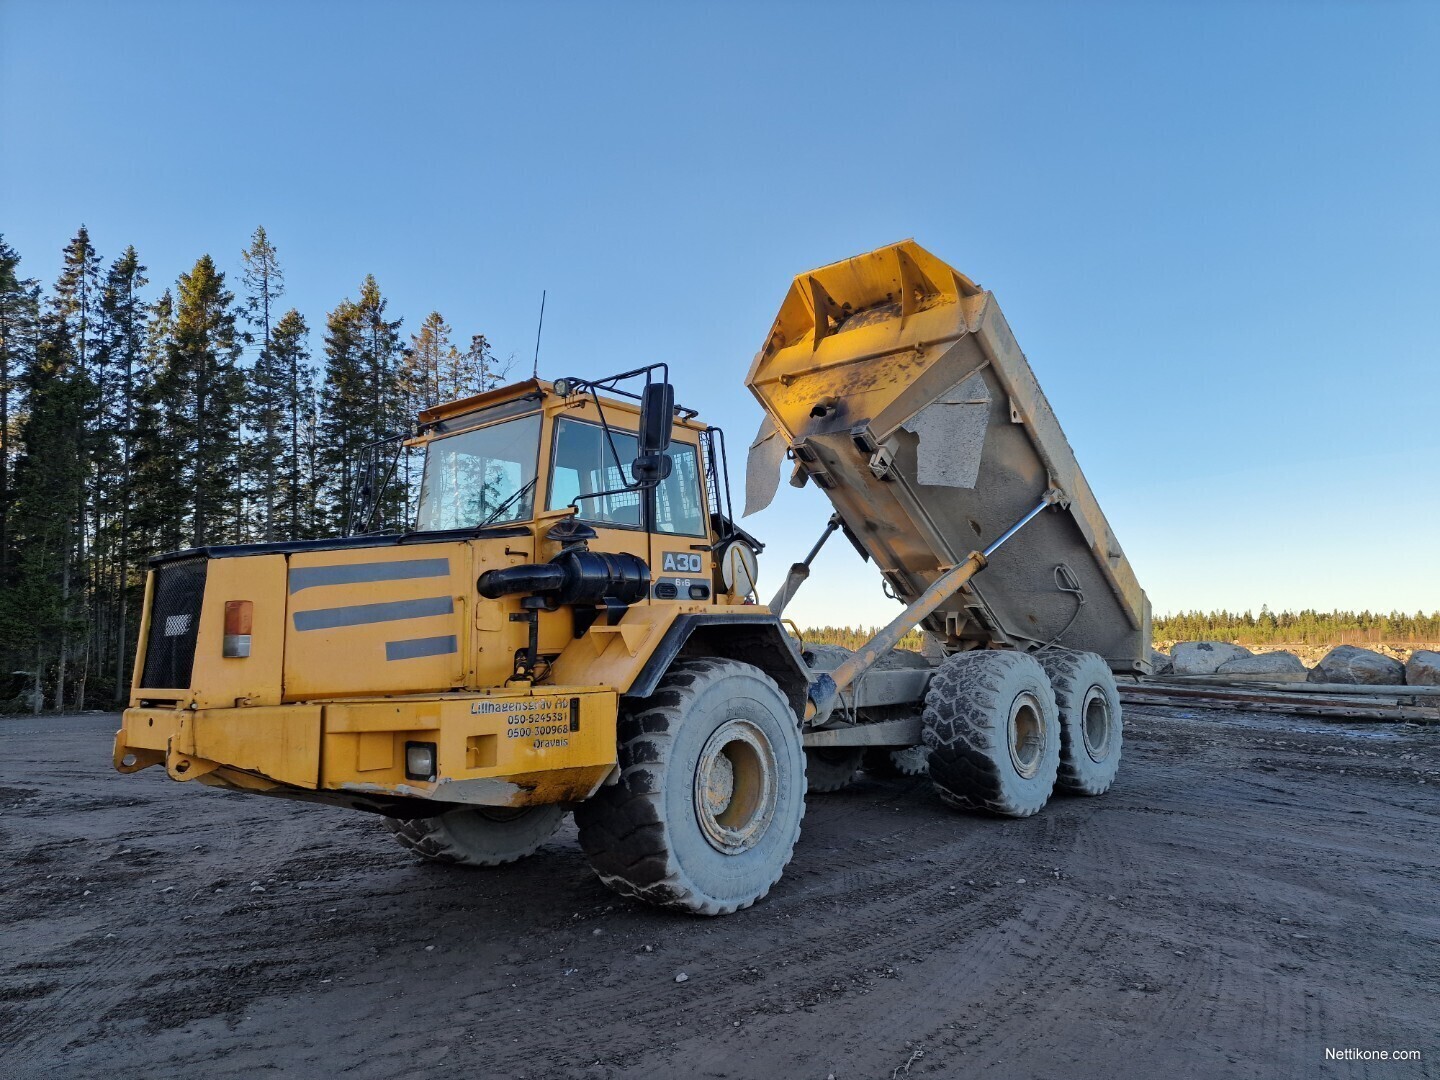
pixel 70 333
pixel 202 363
pixel 122 344
pixel 19 315
pixel 161 504
pixel 342 429
pixel 421 386
pixel 38 615
pixel 363 403
pixel 290 362
pixel 265 399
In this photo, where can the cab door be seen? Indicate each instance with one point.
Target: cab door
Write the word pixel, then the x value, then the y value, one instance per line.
pixel 680 562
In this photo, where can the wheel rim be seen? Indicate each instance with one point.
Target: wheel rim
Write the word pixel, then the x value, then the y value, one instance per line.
pixel 1027 735
pixel 735 786
pixel 1095 725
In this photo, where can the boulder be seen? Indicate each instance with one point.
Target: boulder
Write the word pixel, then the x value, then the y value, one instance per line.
pixel 1160 664
pixel 1203 657
pixel 1357 667
pixel 1423 668
pixel 1279 662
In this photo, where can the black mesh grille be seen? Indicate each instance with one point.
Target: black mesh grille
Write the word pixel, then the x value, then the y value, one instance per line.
pixel 174 624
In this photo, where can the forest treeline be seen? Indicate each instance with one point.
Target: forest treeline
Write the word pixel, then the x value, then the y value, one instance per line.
pixel 136 421
pixel 1306 627
pixel 852 637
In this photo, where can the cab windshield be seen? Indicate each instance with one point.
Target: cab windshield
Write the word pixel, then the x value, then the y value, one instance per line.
pixel 480 477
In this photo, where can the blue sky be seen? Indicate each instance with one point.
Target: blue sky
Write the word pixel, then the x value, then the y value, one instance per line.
pixel 1213 227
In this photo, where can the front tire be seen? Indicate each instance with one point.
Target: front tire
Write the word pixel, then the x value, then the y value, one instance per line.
pixel 993 730
pixel 711 793
pixel 478 835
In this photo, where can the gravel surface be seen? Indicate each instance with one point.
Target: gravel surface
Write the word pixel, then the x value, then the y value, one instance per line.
pixel 1254 890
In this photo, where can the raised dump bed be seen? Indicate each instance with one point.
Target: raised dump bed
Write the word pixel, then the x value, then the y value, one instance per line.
pixel 896 385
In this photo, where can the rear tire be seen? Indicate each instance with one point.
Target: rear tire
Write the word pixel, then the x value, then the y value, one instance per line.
pixel 911 761
pixel 831 768
pixel 478 835
pixel 1091 728
pixel 993 730
pixel 712 789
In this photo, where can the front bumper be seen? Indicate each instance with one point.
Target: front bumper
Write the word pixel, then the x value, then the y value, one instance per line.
pixel 522 748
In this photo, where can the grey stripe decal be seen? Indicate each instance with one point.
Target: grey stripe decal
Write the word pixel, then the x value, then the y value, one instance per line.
pixel 308 577
pixel 359 614
pixel 418 647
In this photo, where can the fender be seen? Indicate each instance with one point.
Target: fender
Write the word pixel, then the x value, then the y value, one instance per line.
pixel 757 639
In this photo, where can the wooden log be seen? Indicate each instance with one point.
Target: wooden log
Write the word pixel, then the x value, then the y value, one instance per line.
pixel 1361 689
pixel 1331 706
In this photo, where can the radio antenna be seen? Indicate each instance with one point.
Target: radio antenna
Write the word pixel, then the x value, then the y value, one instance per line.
pixel 535 371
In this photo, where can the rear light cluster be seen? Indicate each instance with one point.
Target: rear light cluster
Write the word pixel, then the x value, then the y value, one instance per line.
pixel 239 618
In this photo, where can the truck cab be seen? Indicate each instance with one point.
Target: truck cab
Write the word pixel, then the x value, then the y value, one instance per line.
pixel 437 666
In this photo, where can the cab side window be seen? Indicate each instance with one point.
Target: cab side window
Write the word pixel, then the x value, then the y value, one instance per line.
pixel 678 508
pixel 584 464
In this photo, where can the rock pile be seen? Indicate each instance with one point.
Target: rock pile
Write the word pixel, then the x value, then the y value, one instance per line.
pixel 1358 667
pixel 1345 664
pixel 1203 657
pixel 1279 662
pixel 1423 668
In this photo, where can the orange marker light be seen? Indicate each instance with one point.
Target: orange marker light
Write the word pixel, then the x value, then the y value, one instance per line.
pixel 239 617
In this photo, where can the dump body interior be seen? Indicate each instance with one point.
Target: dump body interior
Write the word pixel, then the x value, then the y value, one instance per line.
pixel 898 388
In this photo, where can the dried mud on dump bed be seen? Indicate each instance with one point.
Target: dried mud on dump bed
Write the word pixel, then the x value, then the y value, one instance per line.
pixel 1253 891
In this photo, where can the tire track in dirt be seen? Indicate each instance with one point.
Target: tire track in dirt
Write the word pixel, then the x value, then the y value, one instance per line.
pixel 357 961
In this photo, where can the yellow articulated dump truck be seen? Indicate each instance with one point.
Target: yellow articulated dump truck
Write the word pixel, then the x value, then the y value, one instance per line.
pixel 572 624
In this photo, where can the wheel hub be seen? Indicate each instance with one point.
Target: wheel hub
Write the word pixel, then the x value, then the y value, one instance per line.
pixel 1026 735
pixel 735 791
pixel 1095 727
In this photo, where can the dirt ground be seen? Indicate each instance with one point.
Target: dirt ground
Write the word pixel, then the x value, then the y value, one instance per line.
pixel 1254 890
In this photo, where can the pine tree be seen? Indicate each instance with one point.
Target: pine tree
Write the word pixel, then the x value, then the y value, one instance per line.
pixel 482 370
pixel 123 346
pixel 70 337
pixel 37 615
pixel 158 459
pixel 342 427
pixel 202 366
pixel 421 367
pixel 290 355
pixel 265 399
pixel 19 315
pixel 363 402
pixel 421 385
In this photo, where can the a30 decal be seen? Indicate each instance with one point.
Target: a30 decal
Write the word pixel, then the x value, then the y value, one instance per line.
pixel 682 562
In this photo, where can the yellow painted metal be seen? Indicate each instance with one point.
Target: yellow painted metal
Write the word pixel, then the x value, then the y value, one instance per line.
pixel 224 682
pixel 326 702
pixel 860 355
pixel 521 747
pixel 527 747
pixel 364 657
pixel 278 742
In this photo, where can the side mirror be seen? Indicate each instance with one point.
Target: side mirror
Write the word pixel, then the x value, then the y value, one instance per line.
pixel 657 413
pixel 651 468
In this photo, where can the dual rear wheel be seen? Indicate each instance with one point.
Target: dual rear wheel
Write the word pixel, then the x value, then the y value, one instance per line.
pixel 1006 729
